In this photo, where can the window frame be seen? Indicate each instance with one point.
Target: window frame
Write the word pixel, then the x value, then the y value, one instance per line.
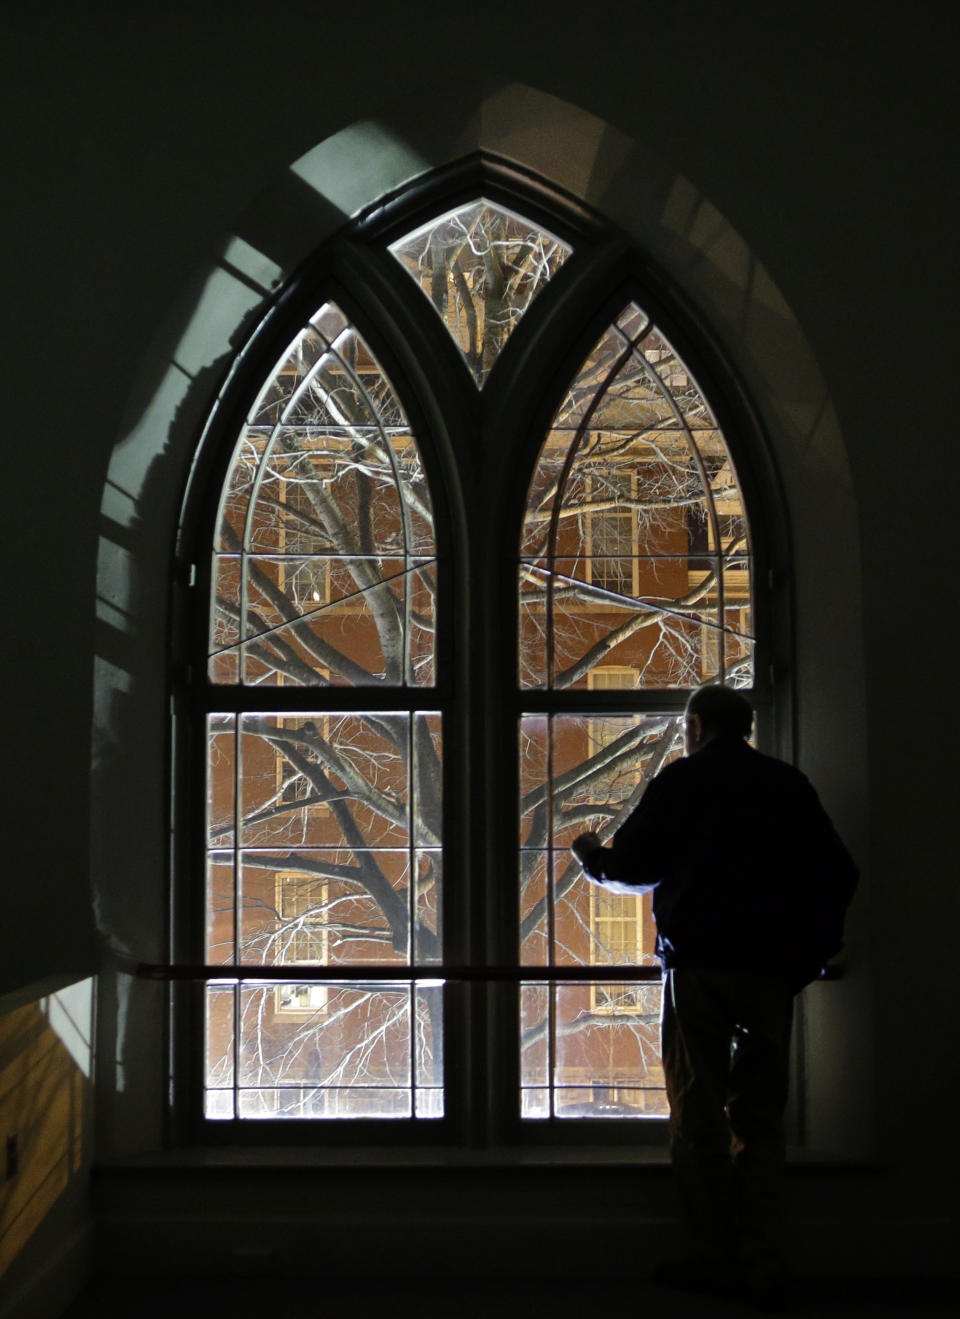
pixel 356 271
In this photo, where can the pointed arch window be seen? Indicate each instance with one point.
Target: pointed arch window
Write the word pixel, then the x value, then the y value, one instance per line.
pixel 374 709
pixel 324 556
pixel 323 820
pixel 634 576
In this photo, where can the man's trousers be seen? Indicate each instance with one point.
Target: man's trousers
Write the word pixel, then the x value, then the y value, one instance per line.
pixel 725 1039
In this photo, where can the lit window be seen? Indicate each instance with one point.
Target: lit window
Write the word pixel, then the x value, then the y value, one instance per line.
pixel 612 534
pixel 352 732
pixel 631 579
pixel 323 823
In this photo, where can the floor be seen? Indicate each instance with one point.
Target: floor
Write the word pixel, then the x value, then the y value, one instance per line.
pixel 113 1297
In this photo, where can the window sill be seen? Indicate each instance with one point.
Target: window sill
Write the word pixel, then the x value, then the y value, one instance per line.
pixel 312 1159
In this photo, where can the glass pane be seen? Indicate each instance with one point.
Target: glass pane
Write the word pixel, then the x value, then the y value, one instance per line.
pixel 428 1095
pixel 608 1060
pixel 599 370
pixel 534 1051
pixel 315 906
pixel 534 931
pixel 481 266
pixel 324 831
pixel 345 1052
pixel 310 1102
pixel 589 1049
pixel 221 942
pixel 334 1050
pixel 219 1034
pixel 427 927
pixel 634 541
pixel 661 360
pixel 656 626
pixel 221 778
pixel 580 773
pixel 324 566
pixel 606 1052
pixel 531 632
pixel 225 617
pixel 739 644
pixel 326 621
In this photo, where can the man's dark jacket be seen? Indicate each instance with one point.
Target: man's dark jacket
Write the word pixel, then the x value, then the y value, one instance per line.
pixel 747 870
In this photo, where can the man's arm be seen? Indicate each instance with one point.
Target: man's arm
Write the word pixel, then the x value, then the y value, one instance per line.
pixel 596 860
pixel 591 853
pixel 632 863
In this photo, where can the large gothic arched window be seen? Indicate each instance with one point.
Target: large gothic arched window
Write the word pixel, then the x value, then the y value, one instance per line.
pixel 477 535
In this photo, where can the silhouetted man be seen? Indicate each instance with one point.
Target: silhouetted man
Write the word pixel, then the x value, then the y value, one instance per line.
pixel 750 883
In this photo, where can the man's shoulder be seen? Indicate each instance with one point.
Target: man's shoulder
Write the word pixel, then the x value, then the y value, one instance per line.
pixel 780 771
pixel 721 757
pixel 674 773
pixel 732 764
pixel 737 752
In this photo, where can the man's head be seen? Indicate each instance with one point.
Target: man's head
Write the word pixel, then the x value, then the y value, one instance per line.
pixel 714 712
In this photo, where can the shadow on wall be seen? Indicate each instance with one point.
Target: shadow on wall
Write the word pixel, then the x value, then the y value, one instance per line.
pixel 46 1055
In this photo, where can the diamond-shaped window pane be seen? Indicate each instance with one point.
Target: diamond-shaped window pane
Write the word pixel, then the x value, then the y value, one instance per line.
pixel 481 266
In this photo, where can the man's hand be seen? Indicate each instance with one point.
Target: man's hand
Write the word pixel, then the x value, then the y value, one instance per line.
pixel 582 846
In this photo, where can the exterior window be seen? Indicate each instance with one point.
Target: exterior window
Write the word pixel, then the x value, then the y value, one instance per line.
pixel 611 534
pixel 302 911
pixel 341 738
pixel 303 568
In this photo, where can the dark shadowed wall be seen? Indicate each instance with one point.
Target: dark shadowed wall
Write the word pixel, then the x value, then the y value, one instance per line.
pixel 791 167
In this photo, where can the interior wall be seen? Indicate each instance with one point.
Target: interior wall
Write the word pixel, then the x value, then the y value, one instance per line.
pixel 768 167
pixel 738 305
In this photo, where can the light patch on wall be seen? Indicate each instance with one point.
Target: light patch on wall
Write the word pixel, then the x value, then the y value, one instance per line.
pixel 114 584
pixel 688 214
pixel 229 294
pixel 764 324
pixel 364 161
pixel 140 447
pixel 223 304
pixel 70 1014
pixel 46 1056
pixel 562 141
pixel 241 256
